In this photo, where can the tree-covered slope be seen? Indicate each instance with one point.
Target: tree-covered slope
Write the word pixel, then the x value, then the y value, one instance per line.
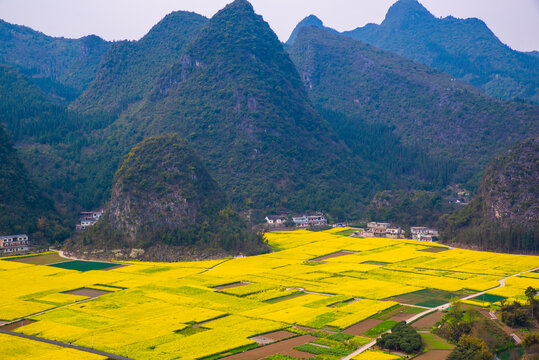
pixel 505 213
pixel 23 209
pixel 236 96
pixel 129 68
pixel 163 196
pixel 427 110
pixel 465 48
pixel 63 67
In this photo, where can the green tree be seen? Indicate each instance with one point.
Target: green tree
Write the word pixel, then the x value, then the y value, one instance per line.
pixel 471 348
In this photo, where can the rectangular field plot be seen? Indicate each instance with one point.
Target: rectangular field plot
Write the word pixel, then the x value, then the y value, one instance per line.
pixel 83 265
pixel 429 298
pixel 41 259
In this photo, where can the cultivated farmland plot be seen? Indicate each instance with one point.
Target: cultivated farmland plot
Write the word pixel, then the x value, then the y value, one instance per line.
pixel 209 309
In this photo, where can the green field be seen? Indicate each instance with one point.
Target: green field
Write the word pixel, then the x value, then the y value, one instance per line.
pixel 434 342
pixel 381 328
pixel 80 265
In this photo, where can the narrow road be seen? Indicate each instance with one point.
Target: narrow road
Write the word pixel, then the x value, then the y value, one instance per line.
pixel 66 345
pixel 440 308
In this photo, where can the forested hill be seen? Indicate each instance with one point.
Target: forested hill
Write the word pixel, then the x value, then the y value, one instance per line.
pixel 465 48
pixel 60 66
pixel 505 213
pixel 427 110
pixel 23 209
pixel 237 98
pixel 129 68
pixel 164 202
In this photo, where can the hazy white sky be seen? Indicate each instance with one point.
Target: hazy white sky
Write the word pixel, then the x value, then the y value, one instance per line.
pixel 515 22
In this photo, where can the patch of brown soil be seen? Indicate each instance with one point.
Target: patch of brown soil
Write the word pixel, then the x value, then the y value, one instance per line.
pixel 233 285
pixel 17 324
pixel 273 337
pixel 333 255
pixel 428 321
pixel 361 327
pixel 434 249
pixel 285 347
pixel 46 259
pixel 93 293
pixel 401 316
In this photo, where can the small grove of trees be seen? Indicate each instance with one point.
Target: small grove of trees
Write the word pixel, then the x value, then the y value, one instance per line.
pixel 471 348
pixel 531 344
pixel 457 322
pixel 402 337
pixel 518 315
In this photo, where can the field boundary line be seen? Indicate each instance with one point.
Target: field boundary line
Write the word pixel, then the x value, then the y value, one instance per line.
pixel 65 345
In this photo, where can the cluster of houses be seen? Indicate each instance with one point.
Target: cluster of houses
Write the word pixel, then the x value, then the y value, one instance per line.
pixel 300 221
pixel 373 229
pixel 89 218
pixel 14 244
pixel 380 229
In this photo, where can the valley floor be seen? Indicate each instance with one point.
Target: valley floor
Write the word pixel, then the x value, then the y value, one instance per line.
pixel 299 300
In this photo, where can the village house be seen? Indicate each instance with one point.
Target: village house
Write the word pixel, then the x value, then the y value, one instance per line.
pixel 88 218
pixel 276 220
pixel 424 234
pixel 377 229
pixel 394 233
pixel 12 244
pixel 301 221
pixel 317 219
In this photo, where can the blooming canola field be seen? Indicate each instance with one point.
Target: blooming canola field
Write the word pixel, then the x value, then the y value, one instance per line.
pixel 185 310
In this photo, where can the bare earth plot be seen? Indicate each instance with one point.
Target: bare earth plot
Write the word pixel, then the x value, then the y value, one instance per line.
pixel 273 337
pixel 45 259
pixel 427 322
pixel 359 328
pixel 285 347
pixel 434 355
pixel 92 293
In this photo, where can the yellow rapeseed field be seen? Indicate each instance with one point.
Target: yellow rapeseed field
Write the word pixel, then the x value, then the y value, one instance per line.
pixel 162 310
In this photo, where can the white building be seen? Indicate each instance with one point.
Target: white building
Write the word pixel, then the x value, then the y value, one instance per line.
pixel 422 233
pixel 276 220
pixel 12 244
pixel 88 219
pixel 301 221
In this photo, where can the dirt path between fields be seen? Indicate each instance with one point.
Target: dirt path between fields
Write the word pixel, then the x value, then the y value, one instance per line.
pixel 438 308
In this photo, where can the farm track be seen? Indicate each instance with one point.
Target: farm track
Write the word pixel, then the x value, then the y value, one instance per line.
pixel 438 308
pixel 65 345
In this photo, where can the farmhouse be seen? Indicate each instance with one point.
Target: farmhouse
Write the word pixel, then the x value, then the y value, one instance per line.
pixel 88 218
pixel 315 219
pixel 424 234
pixel 11 244
pixel 276 220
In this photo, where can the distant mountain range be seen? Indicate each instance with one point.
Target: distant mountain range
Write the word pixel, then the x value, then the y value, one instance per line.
pixel 322 123
pixel 464 48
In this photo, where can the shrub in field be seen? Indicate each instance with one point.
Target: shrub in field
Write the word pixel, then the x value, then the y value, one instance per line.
pixel 402 337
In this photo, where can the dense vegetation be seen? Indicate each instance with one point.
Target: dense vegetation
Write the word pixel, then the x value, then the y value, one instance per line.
pixel 403 337
pixel 465 48
pixel 518 315
pixel 476 337
pixel 23 209
pixel 63 67
pixel 423 122
pixel 505 213
pixel 162 194
pixel 129 68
